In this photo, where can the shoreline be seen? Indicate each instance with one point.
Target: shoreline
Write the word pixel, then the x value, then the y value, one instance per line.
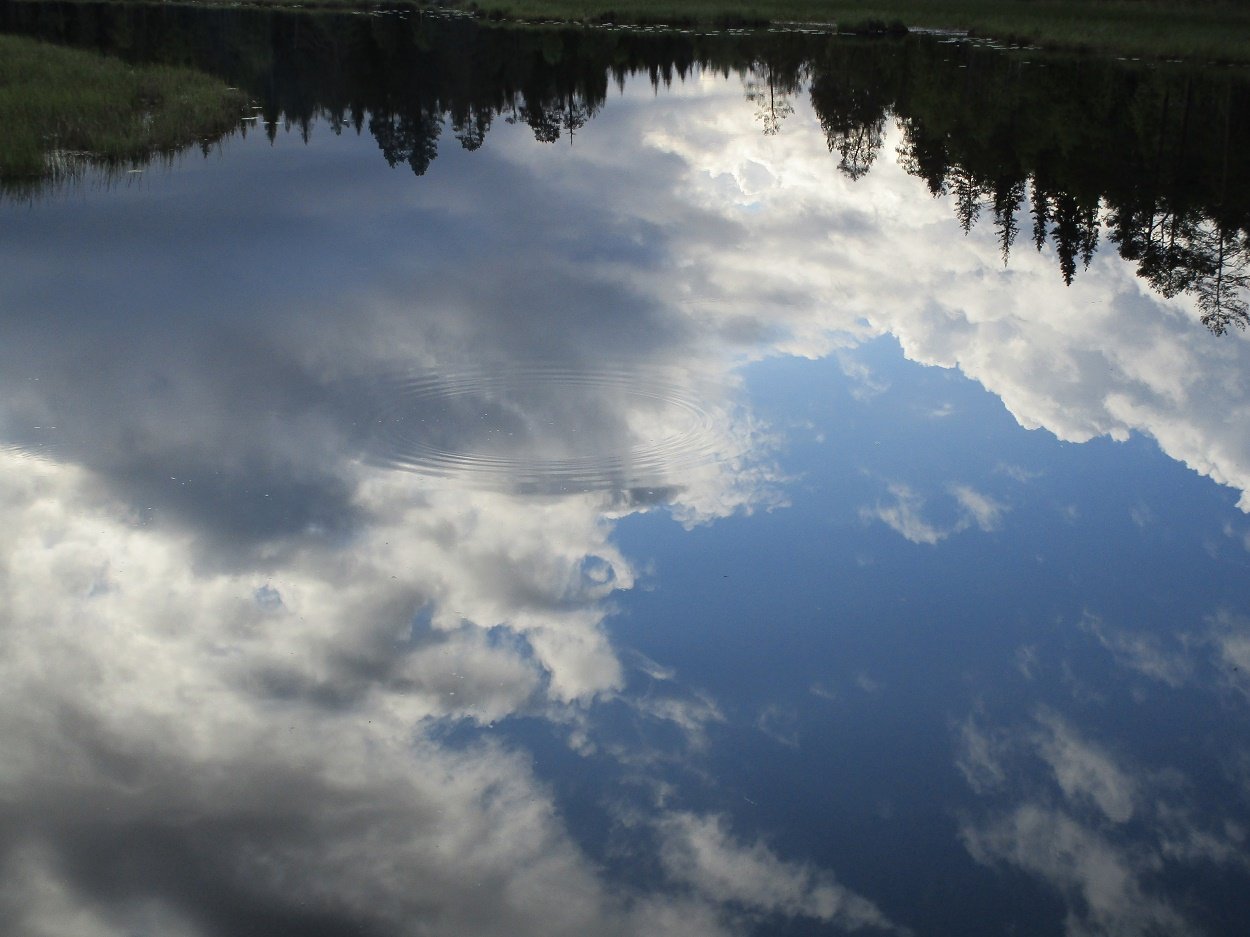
pixel 1198 32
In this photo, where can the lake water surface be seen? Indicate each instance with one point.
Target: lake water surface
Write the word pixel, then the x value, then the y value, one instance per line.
pixel 618 482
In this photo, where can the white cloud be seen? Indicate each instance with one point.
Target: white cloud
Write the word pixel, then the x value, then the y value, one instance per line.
pixel 1215 655
pixel 1018 472
pixel 979 508
pixel 1144 653
pixel 979 757
pixel 139 681
pixel 1083 771
pixel 1108 870
pixel 264 737
pixel 866 683
pixel 700 852
pixel 779 724
pixel 904 516
pixel 1184 839
pixel 1229 635
pixel 1104 357
pixel 1027 660
pixel 1103 885
pixel 865 384
pixel 692 714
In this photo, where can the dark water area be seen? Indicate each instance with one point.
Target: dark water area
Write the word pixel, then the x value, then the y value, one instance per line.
pixel 577 482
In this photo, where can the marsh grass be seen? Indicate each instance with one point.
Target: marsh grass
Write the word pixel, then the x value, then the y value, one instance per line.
pixel 1200 30
pixel 63 109
pixel 1216 30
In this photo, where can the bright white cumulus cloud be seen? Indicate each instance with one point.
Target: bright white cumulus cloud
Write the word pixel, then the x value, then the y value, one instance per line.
pixel 264 734
pixel 820 262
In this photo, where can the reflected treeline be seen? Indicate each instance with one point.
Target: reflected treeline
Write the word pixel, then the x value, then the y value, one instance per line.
pixel 1064 151
pixel 412 81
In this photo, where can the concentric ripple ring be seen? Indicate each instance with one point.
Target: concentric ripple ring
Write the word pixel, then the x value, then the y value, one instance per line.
pixel 548 427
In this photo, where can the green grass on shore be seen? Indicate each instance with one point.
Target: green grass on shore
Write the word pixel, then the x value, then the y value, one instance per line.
pixel 1218 30
pixel 1201 30
pixel 64 108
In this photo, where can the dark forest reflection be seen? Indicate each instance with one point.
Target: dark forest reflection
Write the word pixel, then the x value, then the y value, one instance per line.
pixel 1068 152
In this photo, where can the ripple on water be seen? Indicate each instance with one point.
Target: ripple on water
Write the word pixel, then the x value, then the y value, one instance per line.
pixel 40 445
pixel 548 428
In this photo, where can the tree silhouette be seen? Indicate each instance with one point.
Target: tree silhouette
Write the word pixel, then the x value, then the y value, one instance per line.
pixel 852 98
pixel 858 145
pixel 771 99
pixel 471 129
pixel 1041 214
pixel 543 121
pixel 967 191
pixel 1220 287
pixel 574 115
pixel 1008 197
pixel 405 138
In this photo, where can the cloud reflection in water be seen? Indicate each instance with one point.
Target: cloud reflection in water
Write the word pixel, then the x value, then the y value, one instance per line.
pixel 233 641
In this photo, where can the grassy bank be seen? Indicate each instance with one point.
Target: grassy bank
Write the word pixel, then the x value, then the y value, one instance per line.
pixel 64 108
pixel 1202 30
pixel 1211 31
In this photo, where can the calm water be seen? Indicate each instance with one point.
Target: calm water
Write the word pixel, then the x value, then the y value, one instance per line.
pixel 605 483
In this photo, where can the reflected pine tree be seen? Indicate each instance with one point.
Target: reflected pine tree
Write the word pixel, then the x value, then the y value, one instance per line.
pixel 775 73
pixel 770 95
pixel 408 138
pixel 1146 157
pixel 470 128
pixel 1008 200
pixel 851 94
pixel 967 190
pixel 544 123
pixel 574 115
pixel 1222 285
